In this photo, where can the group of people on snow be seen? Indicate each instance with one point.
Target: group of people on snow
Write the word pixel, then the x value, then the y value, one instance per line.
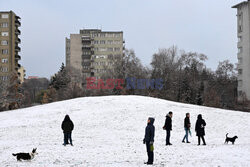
pixel 150 132
pixel 68 126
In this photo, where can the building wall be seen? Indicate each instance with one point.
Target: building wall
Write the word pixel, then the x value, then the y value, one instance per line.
pixel 67 51
pixel 243 55
pixel 9 60
pixel 103 49
pixel 22 75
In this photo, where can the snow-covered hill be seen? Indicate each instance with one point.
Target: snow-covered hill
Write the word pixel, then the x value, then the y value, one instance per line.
pixel 109 132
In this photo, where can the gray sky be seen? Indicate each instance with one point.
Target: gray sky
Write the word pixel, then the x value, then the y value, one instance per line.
pixel 207 27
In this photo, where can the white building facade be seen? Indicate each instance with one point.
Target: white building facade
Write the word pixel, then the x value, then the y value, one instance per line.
pixel 243 55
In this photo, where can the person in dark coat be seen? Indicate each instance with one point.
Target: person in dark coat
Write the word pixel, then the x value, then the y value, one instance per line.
pixel 67 127
pixel 200 129
pixel 187 126
pixel 149 140
pixel 168 127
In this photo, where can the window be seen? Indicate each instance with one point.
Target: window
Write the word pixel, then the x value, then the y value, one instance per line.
pixel 4 78
pixel 96 42
pixel 4 25
pixel 102 42
pixel 117 56
pixel 103 49
pixel 102 35
pixel 103 56
pixel 240 22
pixel 86 53
pixel 240 71
pixel 110 56
pixel 239 38
pixel 240 49
pixel 109 35
pixel 4 69
pixel 96 49
pixel 5 34
pixel 117 42
pixel 240 29
pixel 5 16
pixel 4 51
pixel 4 60
pixel 117 49
pixel 95 35
pixel 4 42
pixel 117 35
pixel 110 49
pixel 110 42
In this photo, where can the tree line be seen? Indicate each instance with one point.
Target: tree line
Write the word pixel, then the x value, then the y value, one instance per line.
pixel 184 75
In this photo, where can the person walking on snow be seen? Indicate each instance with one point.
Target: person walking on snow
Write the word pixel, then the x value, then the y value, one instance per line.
pixel 200 129
pixel 149 140
pixel 168 127
pixel 67 127
pixel 187 126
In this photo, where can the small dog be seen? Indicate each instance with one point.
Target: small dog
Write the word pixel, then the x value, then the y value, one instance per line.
pixel 231 139
pixel 26 156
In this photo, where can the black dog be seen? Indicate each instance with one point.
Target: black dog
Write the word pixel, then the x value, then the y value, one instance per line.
pixel 231 139
pixel 26 156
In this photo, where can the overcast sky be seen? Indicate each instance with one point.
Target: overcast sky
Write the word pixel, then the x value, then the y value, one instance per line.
pixel 204 26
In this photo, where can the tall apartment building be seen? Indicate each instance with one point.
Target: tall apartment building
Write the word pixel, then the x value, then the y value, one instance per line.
pixel 243 33
pixel 93 52
pixel 9 32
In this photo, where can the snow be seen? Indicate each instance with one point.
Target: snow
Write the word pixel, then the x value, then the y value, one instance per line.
pixel 109 132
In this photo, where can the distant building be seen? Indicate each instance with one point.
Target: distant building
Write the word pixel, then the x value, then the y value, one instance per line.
pixel 243 33
pixel 21 72
pixel 92 53
pixel 9 41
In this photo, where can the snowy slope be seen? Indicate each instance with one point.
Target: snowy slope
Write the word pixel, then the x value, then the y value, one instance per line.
pixel 109 132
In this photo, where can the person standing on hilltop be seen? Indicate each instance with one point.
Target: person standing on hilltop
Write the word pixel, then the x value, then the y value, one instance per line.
pixel 187 126
pixel 200 129
pixel 67 127
pixel 149 140
pixel 168 126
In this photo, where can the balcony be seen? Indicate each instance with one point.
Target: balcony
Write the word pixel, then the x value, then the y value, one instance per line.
pixel 17 23
pixel 17 66
pixel 18 40
pixel 86 38
pixel 17 49
pixel 86 56
pixel 87 47
pixel 17 57
pixel 17 32
pixel 18 18
pixel 86 64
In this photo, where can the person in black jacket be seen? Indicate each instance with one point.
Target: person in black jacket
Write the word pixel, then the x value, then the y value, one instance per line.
pixel 200 129
pixel 149 140
pixel 168 127
pixel 67 127
pixel 187 126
